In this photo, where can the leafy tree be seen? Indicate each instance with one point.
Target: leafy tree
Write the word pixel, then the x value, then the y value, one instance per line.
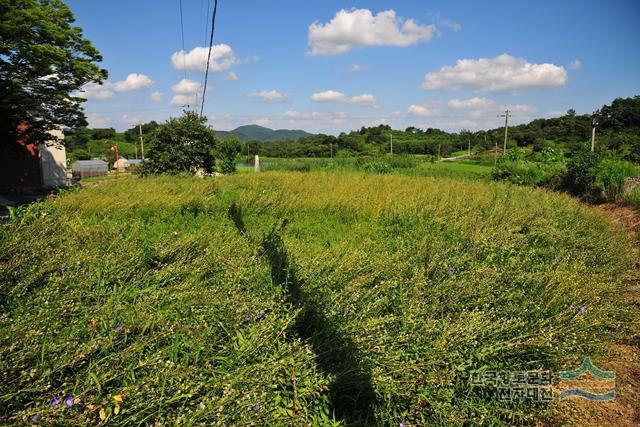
pixel 228 149
pixel 103 133
pixel 183 144
pixel 43 60
pixel 133 134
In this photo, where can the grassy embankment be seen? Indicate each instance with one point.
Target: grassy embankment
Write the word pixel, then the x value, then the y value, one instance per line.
pixel 300 298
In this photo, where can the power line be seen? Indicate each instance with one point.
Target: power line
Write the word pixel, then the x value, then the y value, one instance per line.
pixel 184 53
pixel 206 74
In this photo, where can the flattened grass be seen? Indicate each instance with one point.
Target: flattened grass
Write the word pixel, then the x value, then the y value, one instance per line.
pixel 313 298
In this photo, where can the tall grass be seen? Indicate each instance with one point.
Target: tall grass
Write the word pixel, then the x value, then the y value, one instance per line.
pixel 299 298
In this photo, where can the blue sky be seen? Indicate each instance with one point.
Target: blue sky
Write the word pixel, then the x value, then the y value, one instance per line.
pixel 331 66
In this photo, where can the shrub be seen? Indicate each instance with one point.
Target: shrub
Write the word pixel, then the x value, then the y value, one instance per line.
pixel 377 166
pixel 524 172
pixel 596 178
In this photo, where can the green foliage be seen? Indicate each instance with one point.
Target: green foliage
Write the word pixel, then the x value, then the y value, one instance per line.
pixel 133 134
pixel 43 59
pixel 363 321
pixel 523 172
pixel 102 133
pixel 228 149
pixel 182 144
pixel 596 177
pixel 377 166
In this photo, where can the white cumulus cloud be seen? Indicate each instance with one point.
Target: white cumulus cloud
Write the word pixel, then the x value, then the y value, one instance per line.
pixel 96 91
pixel 503 73
pixel 268 95
pixel 134 81
pixel 222 58
pixel 184 99
pixel 364 100
pixel 186 86
pixel 155 96
pixel 475 103
pixel 355 28
pixel 422 110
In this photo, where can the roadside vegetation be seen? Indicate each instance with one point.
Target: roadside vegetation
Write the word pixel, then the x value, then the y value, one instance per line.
pixel 319 298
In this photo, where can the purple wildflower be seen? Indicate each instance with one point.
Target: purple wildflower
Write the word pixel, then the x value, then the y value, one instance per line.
pixel 423 302
pixel 581 309
pixel 452 270
pixel 248 318
pixel 256 407
pixel 401 425
pixel 69 401
pixel 62 270
pixel 118 328
pixel 260 316
pixel 36 419
pixel 54 402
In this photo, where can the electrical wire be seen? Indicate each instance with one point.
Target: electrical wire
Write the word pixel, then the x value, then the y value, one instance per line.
pixel 184 53
pixel 206 74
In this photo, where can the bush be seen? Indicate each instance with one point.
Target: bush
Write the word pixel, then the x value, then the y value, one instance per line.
pixel 522 172
pixel 377 166
pixel 596 178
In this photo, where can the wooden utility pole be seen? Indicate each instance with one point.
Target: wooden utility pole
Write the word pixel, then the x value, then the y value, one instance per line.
pixel 469 141
pixel 506 129
pixel 594 123
pixel 141 143
pixel 391 143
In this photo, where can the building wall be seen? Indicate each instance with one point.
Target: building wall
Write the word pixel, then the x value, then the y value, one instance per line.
pixel 53 165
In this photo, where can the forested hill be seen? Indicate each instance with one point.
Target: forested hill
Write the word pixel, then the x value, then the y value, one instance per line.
pixel 263 134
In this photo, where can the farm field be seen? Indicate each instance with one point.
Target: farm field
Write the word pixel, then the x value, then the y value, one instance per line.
pixel 291 298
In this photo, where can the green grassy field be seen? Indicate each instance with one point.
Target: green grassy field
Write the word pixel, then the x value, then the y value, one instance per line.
pixel 288 298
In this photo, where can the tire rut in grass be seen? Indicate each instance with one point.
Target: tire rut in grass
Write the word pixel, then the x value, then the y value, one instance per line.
pixel 351 391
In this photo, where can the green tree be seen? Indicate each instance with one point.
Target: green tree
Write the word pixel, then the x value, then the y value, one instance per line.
pixel 43 60
pixel 183 144
pixel 228 149
pixel 103 133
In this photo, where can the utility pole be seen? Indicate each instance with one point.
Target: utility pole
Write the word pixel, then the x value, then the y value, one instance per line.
pixel 506 129
pixel 391 143
pixel 594 123
pixel 469 141
pixel 141 143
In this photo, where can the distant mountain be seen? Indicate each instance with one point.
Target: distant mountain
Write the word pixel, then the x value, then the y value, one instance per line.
pixel 261 133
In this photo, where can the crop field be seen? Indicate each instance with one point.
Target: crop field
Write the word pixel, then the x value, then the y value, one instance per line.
pixel 300 298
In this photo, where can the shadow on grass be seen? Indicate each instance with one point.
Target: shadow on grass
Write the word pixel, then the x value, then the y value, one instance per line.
pixel 351 392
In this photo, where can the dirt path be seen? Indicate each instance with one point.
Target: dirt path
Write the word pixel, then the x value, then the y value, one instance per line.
pixel 624 358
